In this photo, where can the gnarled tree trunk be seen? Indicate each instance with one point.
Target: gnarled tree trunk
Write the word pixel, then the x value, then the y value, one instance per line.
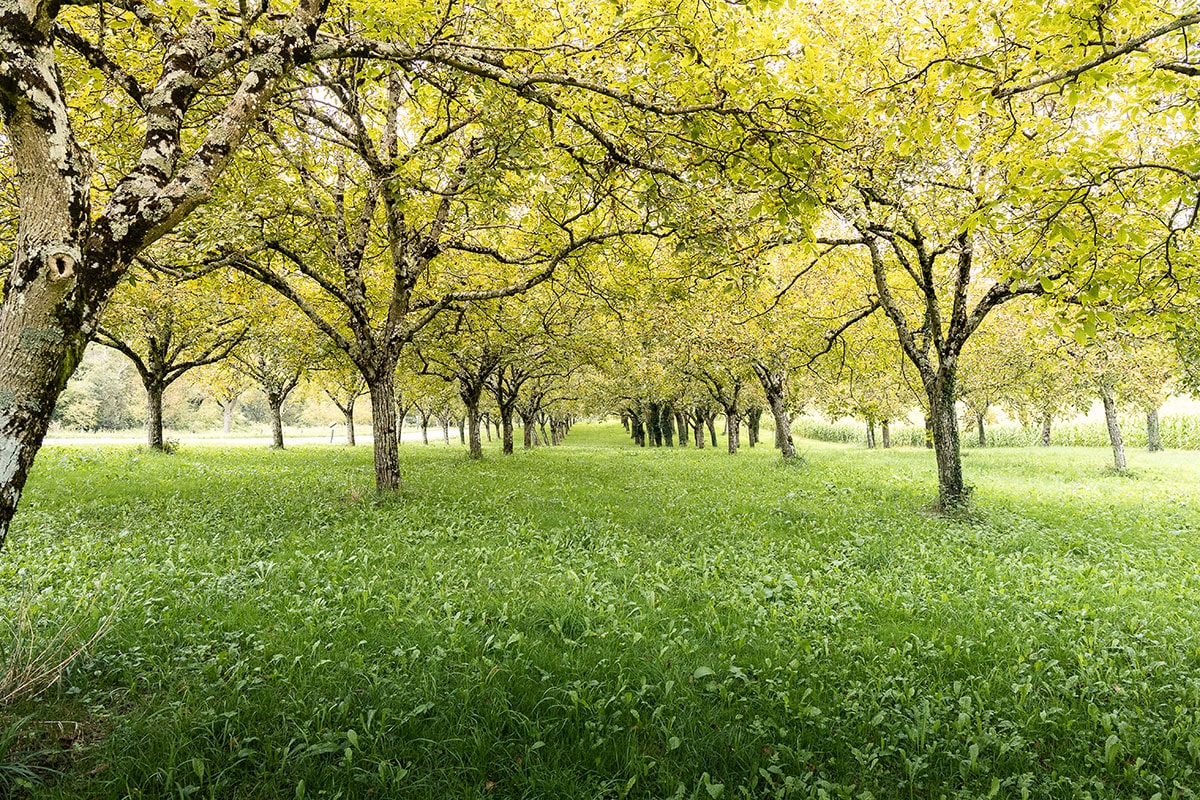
pixel 381 388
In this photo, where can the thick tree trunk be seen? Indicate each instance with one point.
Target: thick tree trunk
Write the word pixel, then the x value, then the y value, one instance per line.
pixel 506 424
pixel 474 442
pixel 886 430
pixel 446 431
pixel 711 422
pixel 383 411
pixel 348 413
pixel 870 434
pixel 625 422
pixel 462 430
pixel 639 430
pixel 46 316
pixel 424 428
pixel 275 404
pixel 943 418
pixel 1046 420
pixel 753 421
pixel 979 415
pixel 681 428
pixel 1153 435
pixel 1114 428
pixel 154 417
pixel 698 430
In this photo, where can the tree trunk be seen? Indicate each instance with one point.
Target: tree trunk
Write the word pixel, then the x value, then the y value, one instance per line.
pixel 681 428
pixel 639 430
pixel 154 423
pixel 886 430
pixel 446 430
pixel 1114 428
pixel 652 425
pixel 227 409
pixel 424 428
pixel 545 436
pixel 383 411
pixel 980 429
pixel 462 430
pixel 527 432
pixel 1046 419
pixel 929 431
pixel 783 425
pixel 698 429
pixel 1153 436
pixel 348 413
pixel 870 434
pixel 474 441
pixel 753 421
pixel 711 422
pixel 46 317
pixel 275 403
pixel 506 424
pixel 943 418
pixel 666 425
pixel 625 422
pixel 733 431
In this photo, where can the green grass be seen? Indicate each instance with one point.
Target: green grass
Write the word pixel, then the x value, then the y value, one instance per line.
pixel 601 621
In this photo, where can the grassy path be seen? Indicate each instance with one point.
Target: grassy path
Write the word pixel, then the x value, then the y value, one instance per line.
pixel 601 621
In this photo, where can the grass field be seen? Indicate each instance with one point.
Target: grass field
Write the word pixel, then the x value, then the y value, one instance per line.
pixel 601 621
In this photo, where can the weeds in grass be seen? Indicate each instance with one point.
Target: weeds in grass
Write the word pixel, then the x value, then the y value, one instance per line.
pixel 32 660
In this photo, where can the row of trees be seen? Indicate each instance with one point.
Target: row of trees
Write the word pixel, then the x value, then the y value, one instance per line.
pixel 704 175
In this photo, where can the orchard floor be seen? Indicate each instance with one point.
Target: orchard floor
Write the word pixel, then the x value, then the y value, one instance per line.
pixel 597 620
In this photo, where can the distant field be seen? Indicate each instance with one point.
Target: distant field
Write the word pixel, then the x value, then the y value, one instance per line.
pixel 597 620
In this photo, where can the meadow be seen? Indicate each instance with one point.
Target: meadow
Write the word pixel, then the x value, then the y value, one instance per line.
pixel 600 621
